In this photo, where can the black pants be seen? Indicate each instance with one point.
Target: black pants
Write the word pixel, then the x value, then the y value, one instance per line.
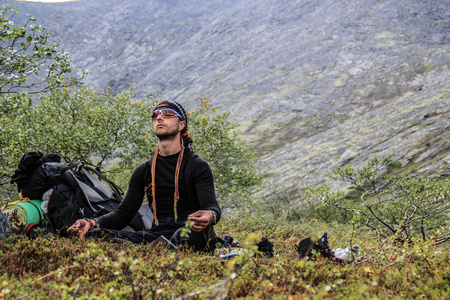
pixel 200 241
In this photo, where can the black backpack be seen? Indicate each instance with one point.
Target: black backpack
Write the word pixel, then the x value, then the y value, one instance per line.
pixel 83 192
pixel 79 191
pixel 31 178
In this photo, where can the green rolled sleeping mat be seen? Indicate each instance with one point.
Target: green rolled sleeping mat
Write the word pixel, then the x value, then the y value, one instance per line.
pixel 24 213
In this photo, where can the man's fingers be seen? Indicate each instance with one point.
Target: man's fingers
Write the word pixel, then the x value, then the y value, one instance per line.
pixel 201 219
pixel 79 228
pixel 200 223
pixel 197 228
pixel 198 219
pixel 72 229
pixel 82 233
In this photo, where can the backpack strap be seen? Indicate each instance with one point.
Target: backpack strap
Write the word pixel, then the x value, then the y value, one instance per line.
pixel 70 178
pixel 115 189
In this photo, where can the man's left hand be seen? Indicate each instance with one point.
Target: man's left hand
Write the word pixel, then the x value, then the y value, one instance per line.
pixel 201 219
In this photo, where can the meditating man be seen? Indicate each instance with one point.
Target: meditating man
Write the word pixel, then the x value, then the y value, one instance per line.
pixel 178 184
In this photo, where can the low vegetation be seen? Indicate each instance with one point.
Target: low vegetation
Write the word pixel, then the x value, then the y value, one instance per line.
pixel 55 268
pixel 410 262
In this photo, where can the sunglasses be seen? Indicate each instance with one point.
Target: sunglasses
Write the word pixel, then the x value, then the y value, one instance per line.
pixel 166 113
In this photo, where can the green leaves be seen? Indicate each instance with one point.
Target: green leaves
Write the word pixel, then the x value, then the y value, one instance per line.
pixel 99 127
pixel 110 131
pixel 405 206
pixel 114 132
pixel 28 62
pixel 12 109
pixel 234 163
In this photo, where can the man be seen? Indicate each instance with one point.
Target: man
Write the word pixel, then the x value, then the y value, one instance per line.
pixel 178 184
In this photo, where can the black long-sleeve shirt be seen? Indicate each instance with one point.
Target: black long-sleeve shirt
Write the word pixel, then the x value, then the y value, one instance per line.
pixel 196 190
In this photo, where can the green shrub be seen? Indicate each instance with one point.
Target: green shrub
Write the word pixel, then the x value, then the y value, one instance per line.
pixel 234 163
pixel 12 110
pixel 28 61
pixel 406 206
pixel 29 64
pixel 111 131
pixel 320 203
pixel 114 132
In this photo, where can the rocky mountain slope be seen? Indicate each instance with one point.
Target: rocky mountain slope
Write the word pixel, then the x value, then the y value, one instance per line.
pixel 313 83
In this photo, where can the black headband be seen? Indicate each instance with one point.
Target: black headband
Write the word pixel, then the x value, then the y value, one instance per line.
pixel 175 106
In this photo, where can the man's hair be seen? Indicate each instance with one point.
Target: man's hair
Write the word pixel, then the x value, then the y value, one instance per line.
pixel 187 141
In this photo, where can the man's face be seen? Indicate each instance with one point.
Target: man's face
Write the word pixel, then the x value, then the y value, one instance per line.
pixel 167 127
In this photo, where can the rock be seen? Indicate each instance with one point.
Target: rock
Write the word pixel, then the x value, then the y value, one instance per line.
pixel 5 226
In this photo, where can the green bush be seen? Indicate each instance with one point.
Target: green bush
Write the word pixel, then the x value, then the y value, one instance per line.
pixel 114 132
pixel 234 163
pixel 12 109
pixel 320 203
pixel 111 131
pixel 28 62
pixel 407 207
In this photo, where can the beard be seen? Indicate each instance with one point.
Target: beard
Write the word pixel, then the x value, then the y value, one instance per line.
pixel 168 135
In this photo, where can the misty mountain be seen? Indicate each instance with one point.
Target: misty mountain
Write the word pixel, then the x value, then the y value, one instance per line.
pixel 314 84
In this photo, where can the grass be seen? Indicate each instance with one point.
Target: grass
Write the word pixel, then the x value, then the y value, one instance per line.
pixel 63 268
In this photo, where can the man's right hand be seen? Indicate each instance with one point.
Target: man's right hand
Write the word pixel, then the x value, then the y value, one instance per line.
pixel 79 228
pixel 202 219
